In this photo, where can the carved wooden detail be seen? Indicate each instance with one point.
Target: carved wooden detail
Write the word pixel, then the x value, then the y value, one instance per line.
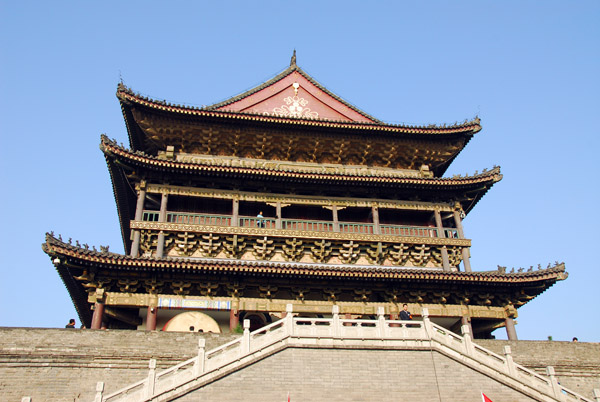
pixel 234 246
pixel 363 251
pixel 185 243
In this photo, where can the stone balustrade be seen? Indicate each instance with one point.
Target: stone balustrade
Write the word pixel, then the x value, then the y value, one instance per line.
pixel 337 332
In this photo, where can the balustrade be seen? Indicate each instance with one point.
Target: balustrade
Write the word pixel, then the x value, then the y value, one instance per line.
pixel 335 333
pixel 299 224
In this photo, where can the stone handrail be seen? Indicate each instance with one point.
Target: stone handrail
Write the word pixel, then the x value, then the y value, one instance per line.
pixel 326 332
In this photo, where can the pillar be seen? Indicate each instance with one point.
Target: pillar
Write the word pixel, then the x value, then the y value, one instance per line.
pixel 235 215
pixel 139 211
pixel 151 318
pixel 98 315
pixel 336 222
pixel 234 319
pixel 466 320
pixel 278 212
pixel 162 217
pixel 375 213
pixel 511 332
pixel 99 391
pixel 442 234
pixel 461 235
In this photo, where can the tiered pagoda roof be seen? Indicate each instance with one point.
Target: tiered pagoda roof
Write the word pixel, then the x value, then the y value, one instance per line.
pixel 73 262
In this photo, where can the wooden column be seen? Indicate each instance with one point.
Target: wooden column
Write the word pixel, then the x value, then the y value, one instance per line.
pixel 278 213
pixel 162 217
pixel 511 332
pixel 375 213
pixel 98 315
pixel 151 318
pixel 442 234
pixel 336 223
pixel 235 215
pixel 139 211
pixel 234 319
pixel 461 235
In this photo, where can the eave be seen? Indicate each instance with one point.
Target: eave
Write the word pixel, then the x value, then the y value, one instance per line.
pixel 107 260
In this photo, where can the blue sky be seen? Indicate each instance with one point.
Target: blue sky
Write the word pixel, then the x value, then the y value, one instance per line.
pixel 529 69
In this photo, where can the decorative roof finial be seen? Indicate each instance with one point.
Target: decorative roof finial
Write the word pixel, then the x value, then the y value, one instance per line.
pixel 293 61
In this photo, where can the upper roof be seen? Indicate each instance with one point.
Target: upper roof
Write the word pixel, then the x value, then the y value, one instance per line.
pixel 291 106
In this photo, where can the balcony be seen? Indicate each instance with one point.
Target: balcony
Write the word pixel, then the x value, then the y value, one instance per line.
pixel 300 225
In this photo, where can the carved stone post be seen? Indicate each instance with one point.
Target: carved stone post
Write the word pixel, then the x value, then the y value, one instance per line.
pixel 511 332
pixel 335 311
pixel 442 234
pixel 235 215
pixel 466 333
pixel 246 338
pixel 381 322
pixel 461 235
pixel 98 315
pixel 375 213
pixel 162 217
pixel 99 391
pixel 466 320
pixel 139 212
pixel 512 370
pixel 151 383
pixel 289 318
pixel 199 363
pixel 336 222
pixel 427 322
pixel 556 388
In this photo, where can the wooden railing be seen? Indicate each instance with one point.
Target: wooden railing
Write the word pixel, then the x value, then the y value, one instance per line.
pixel 338 333
pixel 298 224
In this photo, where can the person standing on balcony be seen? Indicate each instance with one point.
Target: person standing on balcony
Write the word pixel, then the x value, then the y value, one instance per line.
pixel 405 315
pixel 260 222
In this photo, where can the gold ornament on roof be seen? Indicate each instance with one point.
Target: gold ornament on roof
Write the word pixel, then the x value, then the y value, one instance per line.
pixel 295 106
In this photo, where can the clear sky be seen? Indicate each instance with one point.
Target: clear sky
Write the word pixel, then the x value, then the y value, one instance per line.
pixel 529 69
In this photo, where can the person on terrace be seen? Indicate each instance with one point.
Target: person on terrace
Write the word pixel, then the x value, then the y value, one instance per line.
pixel 405 314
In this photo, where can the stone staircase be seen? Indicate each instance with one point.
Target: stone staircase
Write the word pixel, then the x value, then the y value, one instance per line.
pixel 335 332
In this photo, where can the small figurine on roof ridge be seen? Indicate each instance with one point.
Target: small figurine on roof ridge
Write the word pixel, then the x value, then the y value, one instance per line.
pixel 293 60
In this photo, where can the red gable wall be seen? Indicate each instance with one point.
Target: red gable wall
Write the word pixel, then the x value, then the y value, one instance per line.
pixel 308 102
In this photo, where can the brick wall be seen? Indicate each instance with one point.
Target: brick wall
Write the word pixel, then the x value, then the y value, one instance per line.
pixel 577 365
pixel 64 365
pixel 355 375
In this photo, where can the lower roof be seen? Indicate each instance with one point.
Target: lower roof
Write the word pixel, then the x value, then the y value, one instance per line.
pixel 71 261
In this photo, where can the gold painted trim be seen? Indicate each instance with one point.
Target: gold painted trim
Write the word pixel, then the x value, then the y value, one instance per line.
pixel 307 307
pixel 260 232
